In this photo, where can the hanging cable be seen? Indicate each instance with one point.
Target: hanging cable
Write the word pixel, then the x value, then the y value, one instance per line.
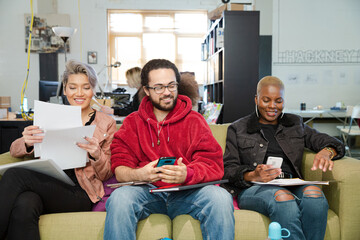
pixel 80 31
pixel 25 115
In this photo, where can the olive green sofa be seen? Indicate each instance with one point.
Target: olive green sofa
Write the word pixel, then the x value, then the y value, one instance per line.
pixel 343 195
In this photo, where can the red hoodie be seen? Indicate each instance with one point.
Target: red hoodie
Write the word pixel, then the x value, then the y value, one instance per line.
pixel 185 134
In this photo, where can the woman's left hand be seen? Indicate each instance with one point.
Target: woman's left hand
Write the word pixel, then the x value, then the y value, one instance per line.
pixel 92 147
pixel 323 161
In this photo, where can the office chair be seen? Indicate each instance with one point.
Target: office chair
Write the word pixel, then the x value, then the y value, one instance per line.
pixel 352 129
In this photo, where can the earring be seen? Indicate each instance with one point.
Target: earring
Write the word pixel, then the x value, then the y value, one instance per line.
pixel 256 111
pixel 282 115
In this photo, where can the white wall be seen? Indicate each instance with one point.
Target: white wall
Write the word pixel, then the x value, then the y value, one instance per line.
pixel 13 59
pixel 266 15
pixel 316 28
pixel 295 25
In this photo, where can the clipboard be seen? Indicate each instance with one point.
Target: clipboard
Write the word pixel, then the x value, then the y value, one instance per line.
pixel 173 188
pixel 120 184
pixel 44 166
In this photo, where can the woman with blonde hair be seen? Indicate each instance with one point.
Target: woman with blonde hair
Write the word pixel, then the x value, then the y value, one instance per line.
pixel 134 81
pixel 26 194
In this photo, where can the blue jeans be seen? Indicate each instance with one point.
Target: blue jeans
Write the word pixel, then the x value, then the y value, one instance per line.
pixel 211 205
pixel 305 216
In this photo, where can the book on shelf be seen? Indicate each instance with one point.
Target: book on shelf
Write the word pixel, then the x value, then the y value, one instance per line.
pixel 219 38
pixel 204 53
pixel 212 112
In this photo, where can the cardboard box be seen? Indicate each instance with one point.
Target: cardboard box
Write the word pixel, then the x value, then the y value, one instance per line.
pixel 5 102
pixel 3 113
pixel 105 102
pixel 217 13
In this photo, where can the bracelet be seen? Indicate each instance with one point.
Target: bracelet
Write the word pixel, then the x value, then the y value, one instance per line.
pixel 332 152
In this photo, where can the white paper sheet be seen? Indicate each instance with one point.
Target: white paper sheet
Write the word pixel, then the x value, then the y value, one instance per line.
pixel 291 182
pixel 60 146
pixel 55 116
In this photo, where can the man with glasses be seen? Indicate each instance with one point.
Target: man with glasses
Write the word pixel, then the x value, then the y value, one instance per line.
pixel 165 126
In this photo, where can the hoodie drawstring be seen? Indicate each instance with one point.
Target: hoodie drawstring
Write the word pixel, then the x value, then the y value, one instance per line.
pixel 152 140
pixel 168 132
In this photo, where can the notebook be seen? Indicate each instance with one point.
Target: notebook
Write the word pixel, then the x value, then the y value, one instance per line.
pixel 44 166
pixel 173 188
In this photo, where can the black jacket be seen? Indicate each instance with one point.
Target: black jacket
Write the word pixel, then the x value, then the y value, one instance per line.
pixel 246 146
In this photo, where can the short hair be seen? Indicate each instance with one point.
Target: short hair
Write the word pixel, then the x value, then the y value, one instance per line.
pixel 157 64
pixel 133 77
pixel 189 87
pixel 269 80
pixel 75 67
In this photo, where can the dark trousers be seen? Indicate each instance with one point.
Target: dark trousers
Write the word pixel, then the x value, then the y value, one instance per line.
pixel 25 195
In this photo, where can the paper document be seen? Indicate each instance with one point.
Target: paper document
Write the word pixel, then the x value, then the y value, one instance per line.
pixel 291 182
pixel 55 116
pixel 44 166
pixel 60 146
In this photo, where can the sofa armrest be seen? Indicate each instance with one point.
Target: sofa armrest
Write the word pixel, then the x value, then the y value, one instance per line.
pixel 308 174
pixel 6 158
pixel 343 195
pixel 343 192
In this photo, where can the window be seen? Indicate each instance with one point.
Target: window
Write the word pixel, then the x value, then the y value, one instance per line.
pixel 136 37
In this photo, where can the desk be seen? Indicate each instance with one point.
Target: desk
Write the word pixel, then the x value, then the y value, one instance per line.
pixel 325 113
pixel 11 130
pixel 324 120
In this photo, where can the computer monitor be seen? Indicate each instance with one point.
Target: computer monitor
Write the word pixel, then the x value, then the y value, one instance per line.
pixel 47 89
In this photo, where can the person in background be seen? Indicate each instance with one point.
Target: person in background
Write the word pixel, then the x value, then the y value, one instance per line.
pixel 26 194
pixel 134 81
pixel 189 87
pixel 269 132
pixel 165 126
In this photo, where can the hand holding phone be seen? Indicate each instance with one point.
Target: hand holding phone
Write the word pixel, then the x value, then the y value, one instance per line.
pixel 166 161
pixel 275 162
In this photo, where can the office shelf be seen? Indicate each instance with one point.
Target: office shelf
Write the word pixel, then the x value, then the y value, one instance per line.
pixel 231 50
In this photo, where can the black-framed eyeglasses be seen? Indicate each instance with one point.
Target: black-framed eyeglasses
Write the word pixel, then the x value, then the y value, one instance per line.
pixel 172 87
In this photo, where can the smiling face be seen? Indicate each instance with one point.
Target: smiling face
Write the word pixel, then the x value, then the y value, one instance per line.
pixel 78 91
pixel 270 103
pixel 162 77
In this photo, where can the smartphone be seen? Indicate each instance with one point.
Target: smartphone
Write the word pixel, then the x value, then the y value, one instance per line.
pixel 166 161
pixel 275 162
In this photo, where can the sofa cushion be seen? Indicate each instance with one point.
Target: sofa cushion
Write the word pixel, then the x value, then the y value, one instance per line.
pixel 219 132
pixel 248 225
pixel 90 225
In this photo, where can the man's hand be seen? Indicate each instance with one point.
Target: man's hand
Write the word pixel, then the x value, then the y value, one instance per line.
pixel 262 173
pixel 323 161
pixel 173 173
pixel 148 173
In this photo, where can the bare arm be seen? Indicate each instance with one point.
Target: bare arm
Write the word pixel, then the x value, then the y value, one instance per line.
pixel 148 173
